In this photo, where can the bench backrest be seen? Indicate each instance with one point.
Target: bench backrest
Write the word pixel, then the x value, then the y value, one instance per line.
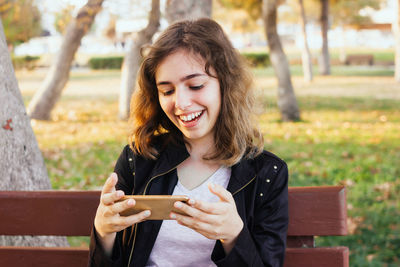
pixel 313 211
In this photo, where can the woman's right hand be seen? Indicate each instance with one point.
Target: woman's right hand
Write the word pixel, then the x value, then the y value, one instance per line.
pixel 108 221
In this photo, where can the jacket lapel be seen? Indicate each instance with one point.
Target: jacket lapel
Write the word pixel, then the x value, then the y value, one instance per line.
pixel 242 173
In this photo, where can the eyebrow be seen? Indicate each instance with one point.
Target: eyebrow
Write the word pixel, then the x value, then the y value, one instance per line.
pixel 191 76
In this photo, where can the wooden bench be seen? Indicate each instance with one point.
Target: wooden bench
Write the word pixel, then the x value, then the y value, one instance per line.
pixel 359 59
pixel 314 211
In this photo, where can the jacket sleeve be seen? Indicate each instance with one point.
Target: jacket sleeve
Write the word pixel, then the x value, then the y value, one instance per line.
pixel 264 243
pixel 97 257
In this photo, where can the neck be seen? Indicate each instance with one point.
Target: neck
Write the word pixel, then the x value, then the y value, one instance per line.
pixel 199 148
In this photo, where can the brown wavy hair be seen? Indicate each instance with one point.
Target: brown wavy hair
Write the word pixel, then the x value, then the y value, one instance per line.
pixel 235 133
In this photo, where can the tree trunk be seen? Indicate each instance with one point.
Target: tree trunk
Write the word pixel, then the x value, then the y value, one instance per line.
pixel 324 61
pixel 397 34
pixel 50 91
pixel 342 51
pixel 133 58
pixel 305 55
pixel 21 163
pixel 187 9
pixel 287 102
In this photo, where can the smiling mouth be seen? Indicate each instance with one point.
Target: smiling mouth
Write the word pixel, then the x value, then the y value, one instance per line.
pixel 191 117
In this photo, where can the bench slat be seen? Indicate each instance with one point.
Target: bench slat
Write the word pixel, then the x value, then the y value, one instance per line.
pixel 65 213
pixel 44 257
pixel 317 257
pixel 317 211
pixel 312 211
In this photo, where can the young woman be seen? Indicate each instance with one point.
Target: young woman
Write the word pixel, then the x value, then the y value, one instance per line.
pixel 192 134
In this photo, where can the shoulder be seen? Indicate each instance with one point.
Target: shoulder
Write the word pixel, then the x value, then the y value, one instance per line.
pixel 271 172
pixel 158 143
pixel 272 177
pixel 267 161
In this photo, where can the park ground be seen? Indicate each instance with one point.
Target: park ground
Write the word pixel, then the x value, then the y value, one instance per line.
pixel 349 134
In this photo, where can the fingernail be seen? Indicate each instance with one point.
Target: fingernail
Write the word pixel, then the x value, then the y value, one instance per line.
pixel 120 193
pixel 172 216
pixel 146 213
pixel 178 204
pixel 130 202
pixel 191 201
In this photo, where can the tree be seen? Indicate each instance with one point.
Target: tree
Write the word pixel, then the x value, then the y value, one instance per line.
pixel 188 9
pixel 50 91
pixel 324 60
pixel 21 20
pixel 110 31
pixel 21 163
pixel 252 7
pixel 397 34
pixel 63 18
pixel 342 12
pixel 287 102
pixel 133 58
pixel 306 55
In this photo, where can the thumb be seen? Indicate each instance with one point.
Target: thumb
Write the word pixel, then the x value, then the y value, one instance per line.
pixel 223 194
pixel 110 183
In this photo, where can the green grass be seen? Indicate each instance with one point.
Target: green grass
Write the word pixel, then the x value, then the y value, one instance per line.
pixel 336 70
pixel 350 140
pixel 385 56
pixel 101 74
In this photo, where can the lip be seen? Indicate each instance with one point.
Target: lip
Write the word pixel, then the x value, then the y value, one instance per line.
pixel 192 123
pixel 189 113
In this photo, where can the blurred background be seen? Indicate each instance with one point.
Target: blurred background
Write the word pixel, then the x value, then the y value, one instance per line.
pixel 75 62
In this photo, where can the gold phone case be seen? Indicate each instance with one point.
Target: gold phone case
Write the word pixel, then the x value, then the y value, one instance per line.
pixel 159 205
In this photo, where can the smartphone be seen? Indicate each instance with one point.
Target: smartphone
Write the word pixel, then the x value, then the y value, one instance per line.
pixel 159 205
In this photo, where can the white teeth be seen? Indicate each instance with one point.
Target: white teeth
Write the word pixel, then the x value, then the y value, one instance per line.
pixel 190 116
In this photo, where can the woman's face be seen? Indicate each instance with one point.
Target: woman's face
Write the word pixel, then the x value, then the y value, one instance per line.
pixel 188 95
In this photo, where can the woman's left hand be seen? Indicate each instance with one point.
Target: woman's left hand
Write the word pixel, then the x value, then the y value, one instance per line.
pixel 219 220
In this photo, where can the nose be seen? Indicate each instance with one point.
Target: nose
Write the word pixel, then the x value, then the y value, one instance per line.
pixel 182 98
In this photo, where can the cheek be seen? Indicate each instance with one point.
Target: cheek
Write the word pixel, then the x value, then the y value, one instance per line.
pixel 216 97
pixel 165 105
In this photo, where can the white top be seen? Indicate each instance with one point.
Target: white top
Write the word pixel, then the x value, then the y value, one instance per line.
pixel 177 245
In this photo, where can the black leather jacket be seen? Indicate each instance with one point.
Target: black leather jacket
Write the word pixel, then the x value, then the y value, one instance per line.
pixel 259 187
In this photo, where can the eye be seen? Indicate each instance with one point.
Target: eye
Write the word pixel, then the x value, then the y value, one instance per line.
pixel 196 87
pixel 166 92
pixel 169 92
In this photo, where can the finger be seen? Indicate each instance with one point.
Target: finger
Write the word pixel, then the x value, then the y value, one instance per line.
pixel 109 185
pixel 110 198
pixel 118 223
pixel 123 205
pixel 209 217
pixel 188 221
pixel 189 210
pixel 223 194
pixel 207 229
pixel 132 219
pixel 208 207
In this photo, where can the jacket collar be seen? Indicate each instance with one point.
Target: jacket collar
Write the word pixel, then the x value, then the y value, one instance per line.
pixel 174 154
pixel 170 157
pixel 242 173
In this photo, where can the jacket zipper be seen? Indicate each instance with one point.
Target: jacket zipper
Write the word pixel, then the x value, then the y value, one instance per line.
pixel 240 189
pixel 144 193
